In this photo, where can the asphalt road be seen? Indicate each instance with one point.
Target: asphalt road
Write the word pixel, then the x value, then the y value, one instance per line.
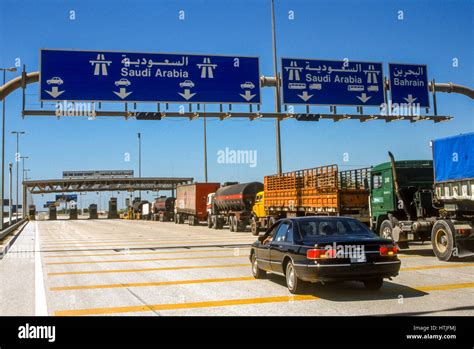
pixel 119 267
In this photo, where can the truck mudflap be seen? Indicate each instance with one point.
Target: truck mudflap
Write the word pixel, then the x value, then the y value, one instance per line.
pixel 464 248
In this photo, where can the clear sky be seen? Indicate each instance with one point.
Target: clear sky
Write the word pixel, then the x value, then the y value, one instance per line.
pixel 432 32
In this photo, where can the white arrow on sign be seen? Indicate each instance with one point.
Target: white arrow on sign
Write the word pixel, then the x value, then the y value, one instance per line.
pixel 247 96
pixel 123 93
pixel 305 96
pixel 54 92
pixel 187 94
pixel 410 99
pixel 364 98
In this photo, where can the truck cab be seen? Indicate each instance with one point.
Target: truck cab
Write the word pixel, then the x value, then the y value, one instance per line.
pixel 415 182
pixel 258 208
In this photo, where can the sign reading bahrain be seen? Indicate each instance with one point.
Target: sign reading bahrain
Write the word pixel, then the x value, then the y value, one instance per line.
pixel 147 77
pixel 324 82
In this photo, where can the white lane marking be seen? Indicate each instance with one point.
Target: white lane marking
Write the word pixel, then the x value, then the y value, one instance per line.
pixel 40 295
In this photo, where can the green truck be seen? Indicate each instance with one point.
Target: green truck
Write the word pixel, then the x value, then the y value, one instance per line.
pixel 424 200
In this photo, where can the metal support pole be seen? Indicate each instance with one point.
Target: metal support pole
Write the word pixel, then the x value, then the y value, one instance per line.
pixel 10 211
pixel 17 160
pixel 3 154
pixel 24 212
pixel 140 161
pixel 205 145
pixel 277 92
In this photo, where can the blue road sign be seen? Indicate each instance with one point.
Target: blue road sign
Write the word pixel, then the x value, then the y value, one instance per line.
pixel 66 197
pixel 148 77
pixel 323 82
pixel 409 84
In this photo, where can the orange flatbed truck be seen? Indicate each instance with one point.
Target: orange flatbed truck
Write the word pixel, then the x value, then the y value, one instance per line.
pixel 318 191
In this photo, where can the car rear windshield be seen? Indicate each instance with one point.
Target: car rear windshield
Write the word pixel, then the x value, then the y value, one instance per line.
pixel 332 227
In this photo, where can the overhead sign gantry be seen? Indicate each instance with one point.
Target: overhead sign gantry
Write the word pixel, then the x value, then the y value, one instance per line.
pixel 112 76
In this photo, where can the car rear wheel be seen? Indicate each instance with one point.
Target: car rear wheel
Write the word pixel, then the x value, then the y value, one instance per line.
pixel 292 282
pixel 373 284
pixel 256 271
pixel 442 240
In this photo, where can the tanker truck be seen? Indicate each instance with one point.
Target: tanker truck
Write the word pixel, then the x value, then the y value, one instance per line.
pixel 318 191
pixel 191 200
pixel 163 209
pixel 231 205
pixel 428 200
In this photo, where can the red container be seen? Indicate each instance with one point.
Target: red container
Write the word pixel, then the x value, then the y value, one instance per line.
pixel 191 198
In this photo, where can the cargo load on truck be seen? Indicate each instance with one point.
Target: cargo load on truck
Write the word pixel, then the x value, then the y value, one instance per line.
pixel 163 209
pixel 232 205
pixel 191 202
pixel 318 191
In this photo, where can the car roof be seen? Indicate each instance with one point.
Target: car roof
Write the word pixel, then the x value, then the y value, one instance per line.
pixel 313 218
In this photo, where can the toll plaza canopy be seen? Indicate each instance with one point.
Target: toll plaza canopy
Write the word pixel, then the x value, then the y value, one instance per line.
pixel 47 186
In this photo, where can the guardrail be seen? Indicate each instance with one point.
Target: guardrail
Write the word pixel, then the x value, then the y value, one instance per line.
pixel 4 233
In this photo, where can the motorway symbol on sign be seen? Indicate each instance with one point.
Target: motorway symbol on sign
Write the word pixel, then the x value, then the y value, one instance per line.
pixel 148 77
pixel 323 82
pixel 409 84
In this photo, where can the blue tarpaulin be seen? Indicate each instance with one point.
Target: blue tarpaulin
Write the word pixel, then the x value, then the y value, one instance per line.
pixel 454 158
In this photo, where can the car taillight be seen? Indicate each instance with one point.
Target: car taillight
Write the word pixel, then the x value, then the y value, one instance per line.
pixel 388 250
pixel 320 253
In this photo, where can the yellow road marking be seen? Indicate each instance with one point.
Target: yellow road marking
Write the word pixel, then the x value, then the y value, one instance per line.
pixel 445 287
pixel 139 253
pixel 148 269
pixel 191 305
pixel 136 241
pixel 147 284
pixel 148 243
pixel 145 260
pixel 444 266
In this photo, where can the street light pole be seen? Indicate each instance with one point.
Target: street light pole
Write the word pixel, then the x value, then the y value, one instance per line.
pixel 2 193
pixel 205 145
pixel 277 92
pixel 140 161
pixel 23 158
pixel 11 195
pixel 17 160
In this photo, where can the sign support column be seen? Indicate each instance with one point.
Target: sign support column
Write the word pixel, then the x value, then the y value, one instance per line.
pixel 277 93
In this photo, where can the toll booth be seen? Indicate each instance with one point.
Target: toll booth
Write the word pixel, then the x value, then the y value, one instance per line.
pixel 32 212
pixel 52 213
pixel 112 209
pixel 73 213
pixel 93 211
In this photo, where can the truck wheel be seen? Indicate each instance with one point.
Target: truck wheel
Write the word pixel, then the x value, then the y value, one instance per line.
pixel 271 221
pixel 240 225
pixel 214 222
pixel 253 227
pixel 442 240
pixel 385 230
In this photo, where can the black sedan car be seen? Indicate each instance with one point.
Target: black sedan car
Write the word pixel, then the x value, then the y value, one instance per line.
pixel 320 249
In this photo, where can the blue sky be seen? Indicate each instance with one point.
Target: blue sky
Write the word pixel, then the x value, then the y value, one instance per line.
pixel 432 33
